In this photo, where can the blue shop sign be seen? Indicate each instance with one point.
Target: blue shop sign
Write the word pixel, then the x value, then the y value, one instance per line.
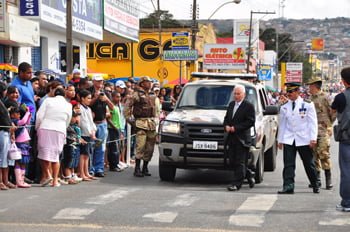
pixel 29 8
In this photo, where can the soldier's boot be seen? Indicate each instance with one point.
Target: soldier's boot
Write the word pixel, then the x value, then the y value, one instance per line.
pixel 328 175
pixel 145 171
pixel 318 181
pixel 137 171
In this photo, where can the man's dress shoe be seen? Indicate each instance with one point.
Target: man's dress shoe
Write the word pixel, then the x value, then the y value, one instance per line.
pixel 251 182
pixel 233 188
pixel 286 191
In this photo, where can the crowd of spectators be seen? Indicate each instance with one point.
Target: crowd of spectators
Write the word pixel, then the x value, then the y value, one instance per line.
pixel 66 132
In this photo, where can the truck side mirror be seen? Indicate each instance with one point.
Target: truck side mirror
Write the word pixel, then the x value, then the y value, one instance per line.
pixel 271 110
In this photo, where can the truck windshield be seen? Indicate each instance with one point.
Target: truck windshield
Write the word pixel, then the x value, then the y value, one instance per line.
pixel 211 97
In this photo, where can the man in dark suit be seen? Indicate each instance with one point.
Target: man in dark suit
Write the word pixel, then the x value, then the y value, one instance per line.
pixel 239 119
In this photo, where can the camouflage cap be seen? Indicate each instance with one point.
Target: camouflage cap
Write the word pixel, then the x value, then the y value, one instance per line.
pixel 144 78
pixel 314 80
pixel 292 86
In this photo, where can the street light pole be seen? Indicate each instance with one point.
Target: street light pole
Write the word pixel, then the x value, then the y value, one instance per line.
pixel 225 3
pixel 250 34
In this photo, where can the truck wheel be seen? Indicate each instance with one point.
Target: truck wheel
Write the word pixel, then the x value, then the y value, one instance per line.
pixel 259 168
pixel 270 158
pixel 166 172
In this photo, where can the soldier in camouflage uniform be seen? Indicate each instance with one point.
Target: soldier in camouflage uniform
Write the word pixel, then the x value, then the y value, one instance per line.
pixel 140 112
pixel 325 119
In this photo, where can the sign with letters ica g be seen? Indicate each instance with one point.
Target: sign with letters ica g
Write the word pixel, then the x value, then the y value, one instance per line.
pixel 29 8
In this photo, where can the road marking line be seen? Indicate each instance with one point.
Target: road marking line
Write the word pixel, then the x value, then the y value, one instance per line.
pixel 109 197
pixel 3 210
pixel 186 199
pixel 32 197
pixel 73 213
pixel 335 222
pixel 252 211
pixel 103 227
pixel 166 217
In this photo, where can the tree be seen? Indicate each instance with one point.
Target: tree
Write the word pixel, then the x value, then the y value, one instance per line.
pixel 167 20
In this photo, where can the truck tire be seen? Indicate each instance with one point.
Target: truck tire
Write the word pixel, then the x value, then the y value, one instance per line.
pixel 259 168
pixel 270 158
pixel 166 172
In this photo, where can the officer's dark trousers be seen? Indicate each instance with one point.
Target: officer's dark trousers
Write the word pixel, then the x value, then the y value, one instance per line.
pixel 289 156
pixel 237 154
pixel 344 165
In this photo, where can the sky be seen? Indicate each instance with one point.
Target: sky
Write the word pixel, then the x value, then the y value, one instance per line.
pixel 294 9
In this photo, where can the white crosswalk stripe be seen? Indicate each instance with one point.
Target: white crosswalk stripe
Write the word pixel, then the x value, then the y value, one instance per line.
pixel 109 197
pixel 252 211
pixel 186 199
pixel 335 222
pixel 73 213
pixel 165 217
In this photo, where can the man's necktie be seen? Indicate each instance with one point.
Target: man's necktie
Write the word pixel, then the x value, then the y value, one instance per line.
pixel 235 109
pixel 293 105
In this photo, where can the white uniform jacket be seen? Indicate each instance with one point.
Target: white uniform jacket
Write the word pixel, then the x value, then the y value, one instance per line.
pixel 299 125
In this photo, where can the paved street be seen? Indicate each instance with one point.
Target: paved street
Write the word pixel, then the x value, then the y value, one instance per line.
pixel 198 201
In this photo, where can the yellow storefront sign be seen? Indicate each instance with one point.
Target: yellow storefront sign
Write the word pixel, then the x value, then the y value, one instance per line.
pixel 137 59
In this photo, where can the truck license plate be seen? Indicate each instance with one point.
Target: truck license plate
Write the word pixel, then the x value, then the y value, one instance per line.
pixel 205 145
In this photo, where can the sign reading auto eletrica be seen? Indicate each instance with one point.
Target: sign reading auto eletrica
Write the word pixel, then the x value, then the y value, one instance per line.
pixel 294 72
pixel 224 56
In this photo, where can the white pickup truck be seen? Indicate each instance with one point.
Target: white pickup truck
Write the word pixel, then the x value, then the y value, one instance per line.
pixel 192 135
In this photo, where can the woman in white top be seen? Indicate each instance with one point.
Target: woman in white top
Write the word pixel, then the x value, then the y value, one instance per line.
pixel 52 120
pixel 88 129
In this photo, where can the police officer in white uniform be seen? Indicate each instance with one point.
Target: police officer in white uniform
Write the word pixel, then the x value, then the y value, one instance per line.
pixel 297 132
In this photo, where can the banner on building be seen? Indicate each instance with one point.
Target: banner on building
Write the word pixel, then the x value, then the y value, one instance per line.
pixel 122 18
pixel 241 31
pixel 29 8
pixel 224 56
pixel 317 44
pixel 294 72
pixel 86 20
pixel 180 41
pixel 180 55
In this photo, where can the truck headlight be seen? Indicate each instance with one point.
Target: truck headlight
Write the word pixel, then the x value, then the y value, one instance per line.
pixel 170 127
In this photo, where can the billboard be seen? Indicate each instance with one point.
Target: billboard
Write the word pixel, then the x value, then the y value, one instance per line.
pixel 265 72
pixel 294 72
pixel 317 44
pixel 224 56
pixel 122 18
pixel 241 31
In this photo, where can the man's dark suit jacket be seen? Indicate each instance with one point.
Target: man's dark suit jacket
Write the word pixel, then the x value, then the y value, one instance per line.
pixel 242 121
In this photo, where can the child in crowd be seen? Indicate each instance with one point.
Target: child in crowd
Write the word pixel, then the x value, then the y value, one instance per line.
pixel 88 130
pixel 22 139
pixel 70 158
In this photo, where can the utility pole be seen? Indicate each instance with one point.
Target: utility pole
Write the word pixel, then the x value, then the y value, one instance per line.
pixel 159 27
pixel 194 24
pixel 250 34
pixel 69 40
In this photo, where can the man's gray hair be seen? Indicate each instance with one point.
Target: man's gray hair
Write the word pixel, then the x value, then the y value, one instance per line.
pixel 239 86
